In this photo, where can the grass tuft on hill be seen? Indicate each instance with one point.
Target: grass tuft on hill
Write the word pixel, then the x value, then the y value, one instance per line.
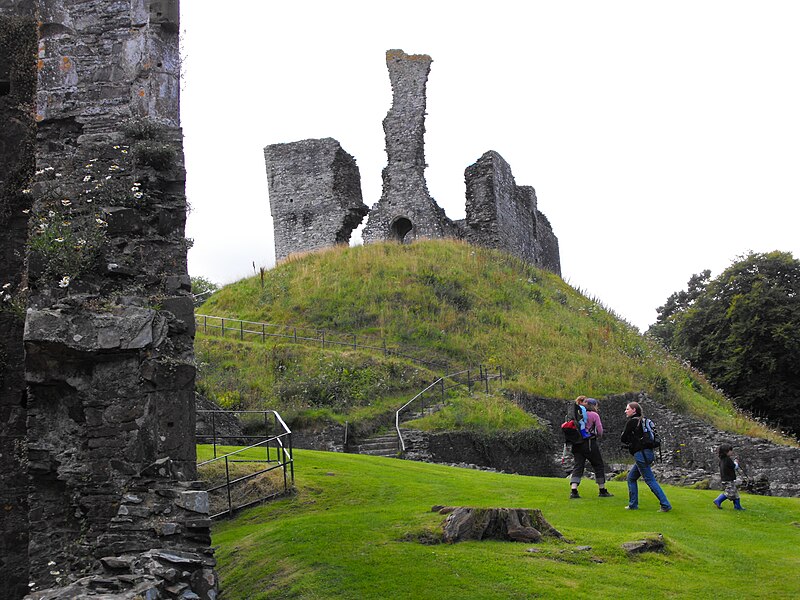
pixel 362 527
pixel 457 302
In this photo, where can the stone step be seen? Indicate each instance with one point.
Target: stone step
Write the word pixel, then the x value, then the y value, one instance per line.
pixel 381 445
pixel 387 453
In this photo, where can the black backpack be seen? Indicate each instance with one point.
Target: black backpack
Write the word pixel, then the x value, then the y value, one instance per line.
pixel 649 437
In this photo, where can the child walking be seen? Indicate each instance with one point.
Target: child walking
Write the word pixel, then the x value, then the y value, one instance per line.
pixel 727 470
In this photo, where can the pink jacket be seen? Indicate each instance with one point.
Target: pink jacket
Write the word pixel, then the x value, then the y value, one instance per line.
pixel 593 423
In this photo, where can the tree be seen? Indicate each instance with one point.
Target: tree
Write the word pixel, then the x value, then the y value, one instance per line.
pixel 202 288
pixel 743 330
pixel 677 304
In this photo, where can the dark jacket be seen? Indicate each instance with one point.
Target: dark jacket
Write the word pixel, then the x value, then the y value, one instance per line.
pixel 631 438
pixel 727 469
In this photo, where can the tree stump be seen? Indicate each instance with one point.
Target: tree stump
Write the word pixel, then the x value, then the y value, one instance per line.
pixel 515 524
pixel 653 543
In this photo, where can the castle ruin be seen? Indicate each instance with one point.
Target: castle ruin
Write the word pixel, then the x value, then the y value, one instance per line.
pixel 321 190
pixel 499 214
pixel 97 437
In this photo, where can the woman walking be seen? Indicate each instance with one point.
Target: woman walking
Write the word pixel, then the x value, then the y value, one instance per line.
pixel 589 449
pixel 632 439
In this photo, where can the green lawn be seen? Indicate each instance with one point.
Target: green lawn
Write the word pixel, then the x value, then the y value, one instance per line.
pixel 349 533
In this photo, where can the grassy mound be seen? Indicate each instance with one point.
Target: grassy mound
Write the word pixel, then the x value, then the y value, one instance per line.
pixel 456 302
pixel 362 527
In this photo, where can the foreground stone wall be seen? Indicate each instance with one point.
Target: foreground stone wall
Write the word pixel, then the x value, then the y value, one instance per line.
pixel 18 41
pixel 500 214
pixel 315 195
pixel 689 447
pixel 108 334
pixel 406 211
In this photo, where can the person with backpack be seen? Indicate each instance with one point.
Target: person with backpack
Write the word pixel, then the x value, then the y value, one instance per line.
pixel 589 449
pixel 727 468
pixel 580 416
pixel 639 438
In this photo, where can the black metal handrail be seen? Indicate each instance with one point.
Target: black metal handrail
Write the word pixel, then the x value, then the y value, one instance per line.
pixel 256 330
pixel 282 443
pixel 441 387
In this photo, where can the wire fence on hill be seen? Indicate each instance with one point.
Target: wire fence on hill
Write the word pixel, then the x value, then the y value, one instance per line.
pixel 257 331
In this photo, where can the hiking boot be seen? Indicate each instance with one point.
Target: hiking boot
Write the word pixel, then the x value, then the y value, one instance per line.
pixel 604 493
pixel 573 494
pixel 629 507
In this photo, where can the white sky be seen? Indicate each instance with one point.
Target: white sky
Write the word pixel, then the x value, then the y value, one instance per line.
pixel 662 138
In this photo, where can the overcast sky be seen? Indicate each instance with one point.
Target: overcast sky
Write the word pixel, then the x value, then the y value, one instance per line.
pixel 662 138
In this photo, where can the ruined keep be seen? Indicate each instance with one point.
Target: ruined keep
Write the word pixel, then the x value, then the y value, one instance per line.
pixel 499 214
pixel 316 192
pixel 98 438
pixel 406 210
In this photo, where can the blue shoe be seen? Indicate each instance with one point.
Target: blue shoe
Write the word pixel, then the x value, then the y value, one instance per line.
pixel 720 499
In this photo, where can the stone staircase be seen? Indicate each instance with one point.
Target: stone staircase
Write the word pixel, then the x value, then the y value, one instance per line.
pixel 385 444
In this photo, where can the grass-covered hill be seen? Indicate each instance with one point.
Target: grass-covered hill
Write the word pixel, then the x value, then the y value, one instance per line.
pixel 362 527
pixel 449 301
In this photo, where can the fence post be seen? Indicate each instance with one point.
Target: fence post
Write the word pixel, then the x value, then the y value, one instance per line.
pixel 354 342
pixel 487 380
pixel 323 338
pixel 205 324
pixel 263 334
pixel 228 486
pixel 214 433
pixel 266 432
pixel 291 457
pixel 241 330
pixel 295 335
pixel 469 383
pixel 442 386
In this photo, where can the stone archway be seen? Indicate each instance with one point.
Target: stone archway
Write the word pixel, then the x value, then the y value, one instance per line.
pixel 400 229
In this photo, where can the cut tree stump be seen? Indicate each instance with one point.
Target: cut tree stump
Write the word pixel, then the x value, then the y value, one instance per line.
pixel 515 524
pixel 652 543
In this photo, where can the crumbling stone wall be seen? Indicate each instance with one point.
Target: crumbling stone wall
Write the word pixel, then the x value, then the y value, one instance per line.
pixel 406 211
pixel 315 195
pixel 18 41
pixel 108 333
pixel 500 214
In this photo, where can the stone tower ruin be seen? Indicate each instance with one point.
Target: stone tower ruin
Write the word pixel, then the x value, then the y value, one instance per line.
pixel 499 213
pixel 315 189
pixel 406 210
pixel 97 438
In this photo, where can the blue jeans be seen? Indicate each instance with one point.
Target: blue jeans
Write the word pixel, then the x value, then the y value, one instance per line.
pixel 642 468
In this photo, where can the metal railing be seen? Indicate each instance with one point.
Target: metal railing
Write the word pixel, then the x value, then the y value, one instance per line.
pixel 440 386
pixel 258 331
pixel 279 444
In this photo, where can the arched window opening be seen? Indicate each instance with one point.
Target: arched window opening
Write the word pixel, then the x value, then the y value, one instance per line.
pixel 400 229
